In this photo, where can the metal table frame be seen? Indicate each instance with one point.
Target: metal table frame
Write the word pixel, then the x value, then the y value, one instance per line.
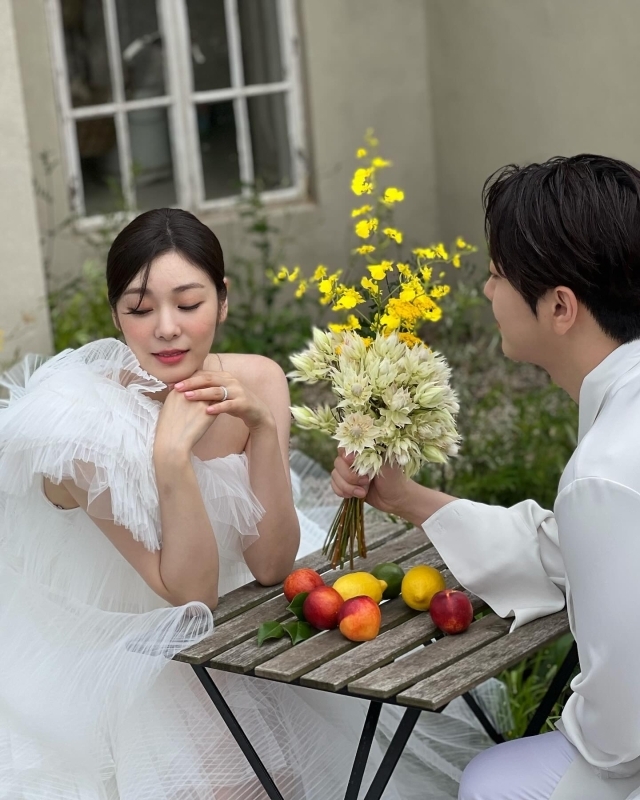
pixel 400 737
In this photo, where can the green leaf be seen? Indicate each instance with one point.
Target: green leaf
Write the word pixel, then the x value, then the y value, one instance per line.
pixel 270 630
pixel 299 631
pixel 295 606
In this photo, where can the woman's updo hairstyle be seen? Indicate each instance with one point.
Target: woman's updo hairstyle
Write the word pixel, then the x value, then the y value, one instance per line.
pixel 154 233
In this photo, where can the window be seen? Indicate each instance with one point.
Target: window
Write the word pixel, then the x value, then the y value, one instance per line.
pixel 178 102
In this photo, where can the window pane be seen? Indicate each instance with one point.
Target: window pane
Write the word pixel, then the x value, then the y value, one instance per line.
pixel 151 156
pixel 98 148
pixel 86 49
pixel 260 41
pixel 141 44
pixel 270 141
pixel 209 47
pixel 218 148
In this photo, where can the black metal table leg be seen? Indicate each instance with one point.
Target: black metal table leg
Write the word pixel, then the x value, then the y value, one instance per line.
pixel 364 748
pixel 238 734
pixel 553 692
pixel 473 704
pixel 392 756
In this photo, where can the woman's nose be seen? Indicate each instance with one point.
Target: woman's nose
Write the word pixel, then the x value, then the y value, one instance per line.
pixel 488 289
pixel 167 327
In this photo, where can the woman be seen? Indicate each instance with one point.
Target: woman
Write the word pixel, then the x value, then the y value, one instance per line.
pixel 118 462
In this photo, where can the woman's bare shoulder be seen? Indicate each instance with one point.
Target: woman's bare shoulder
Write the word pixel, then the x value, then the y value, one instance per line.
pixel 249 368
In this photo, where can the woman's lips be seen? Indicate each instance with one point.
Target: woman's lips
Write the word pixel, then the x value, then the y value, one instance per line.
pixel 170 356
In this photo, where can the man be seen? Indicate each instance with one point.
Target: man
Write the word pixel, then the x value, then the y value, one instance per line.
pixel 564 242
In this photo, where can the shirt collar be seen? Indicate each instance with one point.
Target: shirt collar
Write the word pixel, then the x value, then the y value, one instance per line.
pixel 596 385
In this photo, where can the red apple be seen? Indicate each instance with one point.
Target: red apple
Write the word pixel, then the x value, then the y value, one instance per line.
pixel 301 580
pixel 451 611
pixel 360 618
pixel 321 608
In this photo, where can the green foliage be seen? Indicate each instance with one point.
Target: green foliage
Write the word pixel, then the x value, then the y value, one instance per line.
pixel 264 316
pixel 80 310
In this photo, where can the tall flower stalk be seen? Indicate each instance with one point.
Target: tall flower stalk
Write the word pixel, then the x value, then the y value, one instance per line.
pixel 394 402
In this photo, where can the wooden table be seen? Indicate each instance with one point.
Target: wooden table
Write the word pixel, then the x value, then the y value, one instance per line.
pixel 446 668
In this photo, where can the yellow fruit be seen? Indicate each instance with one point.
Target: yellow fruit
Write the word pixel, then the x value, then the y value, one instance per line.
pixel 357 584
pixel 419 585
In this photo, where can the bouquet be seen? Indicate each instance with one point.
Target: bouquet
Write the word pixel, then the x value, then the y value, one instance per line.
pixel 394 401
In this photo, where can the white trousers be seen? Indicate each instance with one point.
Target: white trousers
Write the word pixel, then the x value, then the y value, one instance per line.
pixel 545 767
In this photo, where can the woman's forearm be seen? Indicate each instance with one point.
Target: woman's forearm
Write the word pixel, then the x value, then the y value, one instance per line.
pixel 271 557
pixel 189 555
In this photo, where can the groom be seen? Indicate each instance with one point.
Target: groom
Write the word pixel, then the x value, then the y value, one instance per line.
pixel 564 285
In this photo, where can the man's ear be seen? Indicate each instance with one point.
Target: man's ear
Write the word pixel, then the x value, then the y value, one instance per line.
pixel 564 309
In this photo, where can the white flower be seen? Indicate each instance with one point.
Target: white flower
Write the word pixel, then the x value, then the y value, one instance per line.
pixel 399 406
pixel 353 387
pixel 321 419
pixel 368 462
pixel 356 432
pixel 382 372
pixel 353 348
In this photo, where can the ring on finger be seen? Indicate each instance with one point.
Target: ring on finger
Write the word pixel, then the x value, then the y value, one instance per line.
pixel 225 395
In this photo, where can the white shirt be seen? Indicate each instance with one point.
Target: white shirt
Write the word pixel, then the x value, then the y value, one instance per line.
pixel 523 560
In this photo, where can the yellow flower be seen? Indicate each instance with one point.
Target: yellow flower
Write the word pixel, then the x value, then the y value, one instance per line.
pixel 434 315
pixel 404 269
pixel 326 286
pixel 461 244
pixel 370 286
pixel 379 271
pixel 456 260
pixel 319 274
pixel 367 340
pixel 441 251
pixel 390 321
pixel 358 212
pixel 394 234
pixel 426 273
pixel 351 324
pixel 283 273
pixel 365 227
pixel 365 249
pixel 361 153
pixel 392 195
pixel 425 252
pixel 293 276
pixel 424 304
pixel 362 182
pixel 440 291
pixel 442 274
pixel 302 288
pixel 348 298
pixel 409 339
pixel 380 163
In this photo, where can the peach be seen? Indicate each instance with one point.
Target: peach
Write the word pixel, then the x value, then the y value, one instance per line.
pixel 301 580
pixel 322 607
pixel 451 611
pixel 360 619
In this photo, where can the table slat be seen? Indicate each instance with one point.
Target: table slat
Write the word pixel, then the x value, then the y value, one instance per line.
pixel 241 627
pixel 451 682
pixel 393 678
pixel 385 648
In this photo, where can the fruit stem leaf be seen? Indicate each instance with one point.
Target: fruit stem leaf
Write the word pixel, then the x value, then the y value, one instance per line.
pixel 295 606
pixel 299 631
pixel 270 630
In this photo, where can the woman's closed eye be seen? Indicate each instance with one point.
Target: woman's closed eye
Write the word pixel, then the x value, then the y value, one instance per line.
pixel 142 311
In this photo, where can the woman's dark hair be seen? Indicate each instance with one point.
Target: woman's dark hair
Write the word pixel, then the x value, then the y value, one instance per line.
pixel 150 235
pixel 571 222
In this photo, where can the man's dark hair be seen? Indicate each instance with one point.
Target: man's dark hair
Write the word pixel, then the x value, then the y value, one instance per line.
pixel 571 222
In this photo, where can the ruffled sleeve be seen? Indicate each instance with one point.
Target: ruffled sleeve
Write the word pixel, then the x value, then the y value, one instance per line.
pixel 84 416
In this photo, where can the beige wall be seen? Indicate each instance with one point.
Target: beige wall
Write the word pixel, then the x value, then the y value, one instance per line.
pixel 523 80
pixel 365 65
pixel 23 310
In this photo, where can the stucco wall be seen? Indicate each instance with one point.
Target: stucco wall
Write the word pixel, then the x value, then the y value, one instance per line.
pixel 365 65
pixel 521 81
pixel 23 310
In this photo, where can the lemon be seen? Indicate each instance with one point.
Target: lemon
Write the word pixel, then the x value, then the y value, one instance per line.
pixel 419 585
pixel 356 584
pixel 393 575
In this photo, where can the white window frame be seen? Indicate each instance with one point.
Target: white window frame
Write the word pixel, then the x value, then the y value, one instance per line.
pixel 180 100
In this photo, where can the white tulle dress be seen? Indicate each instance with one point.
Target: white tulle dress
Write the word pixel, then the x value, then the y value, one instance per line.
pixel 91 705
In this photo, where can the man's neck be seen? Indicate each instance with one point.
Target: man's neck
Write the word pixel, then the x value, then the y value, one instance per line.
pixel 572 364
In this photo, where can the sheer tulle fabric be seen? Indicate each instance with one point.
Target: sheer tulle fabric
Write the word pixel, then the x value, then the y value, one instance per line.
pixel 91 706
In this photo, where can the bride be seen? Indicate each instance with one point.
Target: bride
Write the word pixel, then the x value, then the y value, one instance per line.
pixel 139 482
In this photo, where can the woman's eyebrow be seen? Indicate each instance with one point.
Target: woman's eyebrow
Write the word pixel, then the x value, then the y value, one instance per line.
pixel 185 287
